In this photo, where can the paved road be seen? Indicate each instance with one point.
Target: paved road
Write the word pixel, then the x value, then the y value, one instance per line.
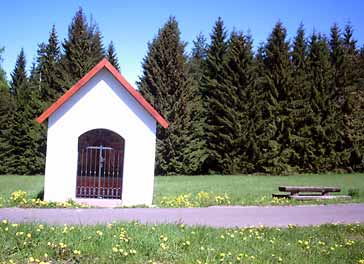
pixel 234 216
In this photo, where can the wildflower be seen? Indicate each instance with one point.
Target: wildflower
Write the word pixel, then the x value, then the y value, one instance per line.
pixel 99 233
pixel 5 221
pixel 114 249
pixel 163 246
pixel 163 238
pixel 76 252
pixel 29 235
pixel 361 261
pixel 31 259
pixel 62 245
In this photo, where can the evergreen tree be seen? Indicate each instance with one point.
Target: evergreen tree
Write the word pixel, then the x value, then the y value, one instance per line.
pixel 301 111
pixel 337 58
pixel 195 151
pixel 213 95
pixel 22 156
pixel 111 56
pixel 6 111
pixel 18 76
pixel 82 50
pixel 275 102
pixel 3 82
pixel 239 75
pixel 351 55
pixel 327 121
pixel 164 84
pixel 48 69
pixel 97 51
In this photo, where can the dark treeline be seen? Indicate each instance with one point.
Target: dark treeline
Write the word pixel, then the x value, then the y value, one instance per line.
pixel 290 106
pixel 59 64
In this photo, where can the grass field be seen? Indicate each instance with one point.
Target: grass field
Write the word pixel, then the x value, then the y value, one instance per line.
pixel 242 190
pixel 136 243
pixel 159 244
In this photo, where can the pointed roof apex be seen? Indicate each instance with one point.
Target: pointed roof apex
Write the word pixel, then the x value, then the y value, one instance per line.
pixel 104 63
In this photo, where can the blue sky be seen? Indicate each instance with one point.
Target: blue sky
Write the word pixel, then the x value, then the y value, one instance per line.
pixel 132 24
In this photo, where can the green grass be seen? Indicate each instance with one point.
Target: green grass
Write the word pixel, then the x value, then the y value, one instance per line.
pixel 180 244
pixel 10 183
pixel 250 189
pixel 242 190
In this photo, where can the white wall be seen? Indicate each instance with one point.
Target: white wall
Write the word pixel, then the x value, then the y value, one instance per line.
pixel 101 103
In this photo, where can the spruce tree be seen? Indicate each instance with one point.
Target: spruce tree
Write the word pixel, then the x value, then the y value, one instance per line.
pixel 195 151
pixel 48 68
pixel 239 76
pixel 351 55
pixel 3 81
pixel 213 95
pixel 97 51
pixel 276 94
pixel 23 156
pixel 6 111
pixel 18 76
pixel 337 58
pixel 111 56
pixel 82 50
pixel 301 111
pixel 327 120
pixel 164 84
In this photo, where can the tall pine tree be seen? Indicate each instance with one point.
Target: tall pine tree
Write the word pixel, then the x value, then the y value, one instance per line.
pixel 213 98
pixel 195 151
pixel 111 56
pixel 19 76
pixel 301 111
pixel 83 49
pixel 164 84
pixel 48 68
pixel 23 155
pixel 238 81
pixel 327 121
pixel 6 112
pixel 276 94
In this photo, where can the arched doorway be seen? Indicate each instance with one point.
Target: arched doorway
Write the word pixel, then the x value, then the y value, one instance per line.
pixel 100 165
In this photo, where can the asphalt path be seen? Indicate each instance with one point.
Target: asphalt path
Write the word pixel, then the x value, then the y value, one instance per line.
pixel 229 216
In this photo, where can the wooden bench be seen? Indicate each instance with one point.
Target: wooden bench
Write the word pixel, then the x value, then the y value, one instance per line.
pixel 309 193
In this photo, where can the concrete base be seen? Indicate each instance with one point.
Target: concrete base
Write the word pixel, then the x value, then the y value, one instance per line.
pixel 106 203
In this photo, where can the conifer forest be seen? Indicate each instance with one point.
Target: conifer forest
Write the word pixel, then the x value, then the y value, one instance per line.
pixel 287 105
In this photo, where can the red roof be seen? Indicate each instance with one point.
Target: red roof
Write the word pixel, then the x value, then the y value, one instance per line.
pixel 104 63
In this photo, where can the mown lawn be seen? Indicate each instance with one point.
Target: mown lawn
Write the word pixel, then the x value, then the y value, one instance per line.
pixel 242 190
pixel 254 189
pixel 136 243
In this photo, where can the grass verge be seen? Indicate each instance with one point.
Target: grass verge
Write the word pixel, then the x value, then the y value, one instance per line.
pixel 136 243
pixel 183 191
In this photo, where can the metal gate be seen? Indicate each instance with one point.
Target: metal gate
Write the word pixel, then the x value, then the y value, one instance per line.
pixel 99 172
